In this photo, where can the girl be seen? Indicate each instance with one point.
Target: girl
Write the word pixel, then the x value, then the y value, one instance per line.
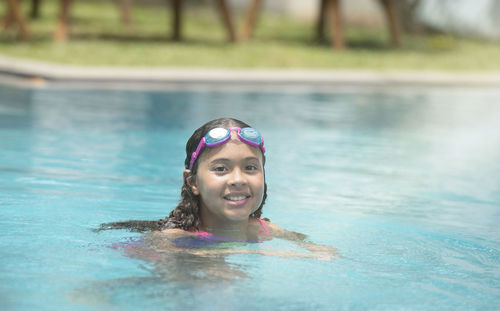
pixel 222 197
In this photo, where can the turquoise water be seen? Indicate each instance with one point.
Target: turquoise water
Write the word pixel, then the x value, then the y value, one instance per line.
pixel 405 183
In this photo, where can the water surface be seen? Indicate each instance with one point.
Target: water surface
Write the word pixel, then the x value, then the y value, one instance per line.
pixel 405 183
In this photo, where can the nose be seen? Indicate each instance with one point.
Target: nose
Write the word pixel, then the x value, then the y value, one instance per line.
pixel 237 178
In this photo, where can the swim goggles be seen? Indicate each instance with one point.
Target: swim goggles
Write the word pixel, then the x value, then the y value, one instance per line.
pixel 218 136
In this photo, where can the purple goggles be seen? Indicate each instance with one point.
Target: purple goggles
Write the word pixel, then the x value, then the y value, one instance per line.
pixel 218 136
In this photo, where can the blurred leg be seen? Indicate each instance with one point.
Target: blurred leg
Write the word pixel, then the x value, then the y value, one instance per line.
pixel 227 19
pixel 14 15
pixel 61 32
pixel 35 9
pixel 392 21
pixel 336 24
pixel 320 26
pixel 176 19
pixel 8 19
pixel 251 18
pixel 126 13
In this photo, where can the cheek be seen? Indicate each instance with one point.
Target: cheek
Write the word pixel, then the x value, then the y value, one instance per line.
pixel 260 186
pixel 210 186
pixel 260 197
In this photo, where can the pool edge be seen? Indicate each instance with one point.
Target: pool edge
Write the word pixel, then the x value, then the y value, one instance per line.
pixel 33 73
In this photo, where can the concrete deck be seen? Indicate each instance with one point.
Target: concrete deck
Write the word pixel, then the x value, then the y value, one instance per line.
pixel 32 73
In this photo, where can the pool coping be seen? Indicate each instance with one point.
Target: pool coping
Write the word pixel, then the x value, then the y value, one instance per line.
pixel 34 73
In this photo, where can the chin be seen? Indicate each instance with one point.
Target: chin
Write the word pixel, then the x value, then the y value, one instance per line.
pixel 238 215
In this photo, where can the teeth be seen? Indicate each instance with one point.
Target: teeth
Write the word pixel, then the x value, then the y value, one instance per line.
pixel 236 197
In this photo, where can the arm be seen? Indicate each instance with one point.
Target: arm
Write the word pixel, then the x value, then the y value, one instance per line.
pixel 167 246
pixel 163 242
pixel 318 251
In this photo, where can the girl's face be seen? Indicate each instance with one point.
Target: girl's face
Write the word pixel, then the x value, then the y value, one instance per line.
pixel 230 182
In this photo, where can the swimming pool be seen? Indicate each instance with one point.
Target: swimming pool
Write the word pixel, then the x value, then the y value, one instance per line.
pixel 405 183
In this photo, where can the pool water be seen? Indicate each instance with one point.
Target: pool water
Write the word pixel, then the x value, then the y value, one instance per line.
pixel 404 183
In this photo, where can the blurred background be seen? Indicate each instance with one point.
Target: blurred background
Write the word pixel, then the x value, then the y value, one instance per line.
pixel 322 34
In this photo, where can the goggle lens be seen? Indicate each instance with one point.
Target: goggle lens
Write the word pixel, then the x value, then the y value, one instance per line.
pixel 251 134
pixel 217 135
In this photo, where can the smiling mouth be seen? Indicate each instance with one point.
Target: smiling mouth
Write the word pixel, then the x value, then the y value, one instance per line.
pixel 236 197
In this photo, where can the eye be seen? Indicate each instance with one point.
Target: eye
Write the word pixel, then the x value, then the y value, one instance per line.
pixel 251 167
pixel 219 169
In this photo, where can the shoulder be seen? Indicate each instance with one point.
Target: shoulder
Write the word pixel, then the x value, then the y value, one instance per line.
pixel 274 228
pixel 279 232
pixel 174 233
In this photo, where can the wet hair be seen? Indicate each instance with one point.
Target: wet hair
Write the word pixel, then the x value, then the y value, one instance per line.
pixel 186 214
pixel 140 226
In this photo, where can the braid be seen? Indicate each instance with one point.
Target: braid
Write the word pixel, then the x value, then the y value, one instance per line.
pixel 186 214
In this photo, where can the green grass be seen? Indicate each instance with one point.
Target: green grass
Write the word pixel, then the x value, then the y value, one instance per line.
pixel 99 39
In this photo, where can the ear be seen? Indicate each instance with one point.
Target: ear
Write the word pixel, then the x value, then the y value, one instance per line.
pixel 191 181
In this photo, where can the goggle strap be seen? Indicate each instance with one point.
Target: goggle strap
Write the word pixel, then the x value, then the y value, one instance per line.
pixel 195 154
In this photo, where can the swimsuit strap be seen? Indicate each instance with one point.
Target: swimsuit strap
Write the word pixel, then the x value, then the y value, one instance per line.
pixel 263 224
pixel 200 233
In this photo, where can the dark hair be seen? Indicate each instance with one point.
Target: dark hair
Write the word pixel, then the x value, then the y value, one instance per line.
pixel 186 214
